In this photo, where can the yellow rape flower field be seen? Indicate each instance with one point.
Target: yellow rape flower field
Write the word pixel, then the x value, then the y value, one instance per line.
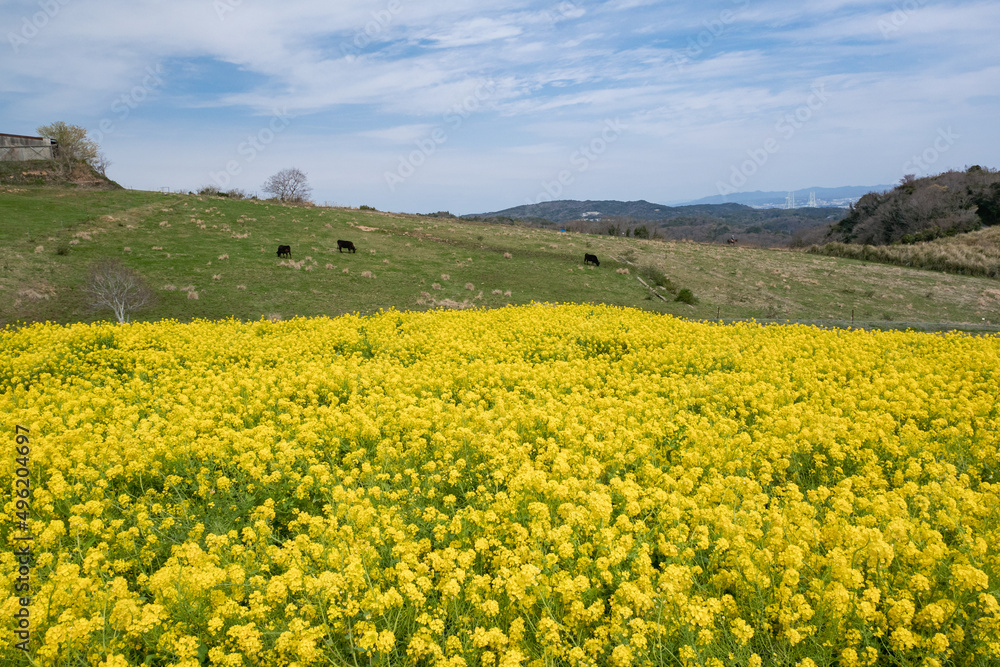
pixel 540 485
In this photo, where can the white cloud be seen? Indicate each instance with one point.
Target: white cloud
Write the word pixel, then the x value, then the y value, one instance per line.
pixel 474 31
pixel 515 84
pixel 399 134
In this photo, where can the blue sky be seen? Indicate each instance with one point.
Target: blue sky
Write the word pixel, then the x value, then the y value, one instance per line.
pixel 477 106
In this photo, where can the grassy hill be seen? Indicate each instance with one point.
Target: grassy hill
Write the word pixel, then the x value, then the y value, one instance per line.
pixel 210 257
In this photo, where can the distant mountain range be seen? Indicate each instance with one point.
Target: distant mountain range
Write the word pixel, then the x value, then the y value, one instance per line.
pixel 696 222
pixel 564 210
pixel 716 206
pixel 839 197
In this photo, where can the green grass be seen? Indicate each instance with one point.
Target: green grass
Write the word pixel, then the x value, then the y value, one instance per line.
pixel 49 235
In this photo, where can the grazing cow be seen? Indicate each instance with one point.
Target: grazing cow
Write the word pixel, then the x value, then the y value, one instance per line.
pixel 345 245
pixel 284 251
pixel 590 259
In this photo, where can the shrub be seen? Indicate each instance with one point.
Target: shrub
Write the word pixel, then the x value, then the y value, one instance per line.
pixel 686 296
pixel 657 277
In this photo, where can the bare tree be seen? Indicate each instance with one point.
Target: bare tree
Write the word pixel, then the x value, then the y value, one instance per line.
pixel 72 145
pixel 101 164
pixel 289 185
pixel 113 285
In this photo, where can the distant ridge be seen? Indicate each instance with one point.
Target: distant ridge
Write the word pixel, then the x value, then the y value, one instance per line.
pixel 564 210
pixel 838 197
pixel 709 223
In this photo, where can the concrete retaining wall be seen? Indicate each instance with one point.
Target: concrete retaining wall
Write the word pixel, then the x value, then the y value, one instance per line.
pixel 15 147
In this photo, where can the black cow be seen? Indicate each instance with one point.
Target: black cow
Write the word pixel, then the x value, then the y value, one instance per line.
pixel 284 251
pixel 345 245
pixel 590 259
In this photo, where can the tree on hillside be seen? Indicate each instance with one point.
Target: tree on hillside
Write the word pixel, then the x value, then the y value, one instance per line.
pixel 113 285
pixel 101 164
pixel 73 145
pixel 289 185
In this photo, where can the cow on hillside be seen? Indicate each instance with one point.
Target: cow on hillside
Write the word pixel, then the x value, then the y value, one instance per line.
pixel 345 245
pixel 284 251
pixel 590 259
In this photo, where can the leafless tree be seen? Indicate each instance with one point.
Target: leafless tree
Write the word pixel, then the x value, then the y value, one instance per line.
pixel 101 163
pixel 289 185
pixel 113 285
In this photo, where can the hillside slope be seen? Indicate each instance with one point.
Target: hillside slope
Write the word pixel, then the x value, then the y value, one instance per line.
pixel 215 258
pixel 971 254
pixel 45 172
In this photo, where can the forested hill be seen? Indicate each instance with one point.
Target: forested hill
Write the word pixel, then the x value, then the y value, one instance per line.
pixel 710 223
pixel 565 210
pixel 923 209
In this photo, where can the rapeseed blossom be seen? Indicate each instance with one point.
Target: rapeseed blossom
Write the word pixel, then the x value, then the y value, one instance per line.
pixel 577 485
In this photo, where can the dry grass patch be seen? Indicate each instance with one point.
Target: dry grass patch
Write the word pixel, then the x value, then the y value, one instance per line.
pixel 971 254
